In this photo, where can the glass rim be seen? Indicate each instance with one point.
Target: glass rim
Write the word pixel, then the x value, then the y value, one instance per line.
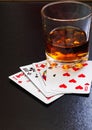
pixel 69 1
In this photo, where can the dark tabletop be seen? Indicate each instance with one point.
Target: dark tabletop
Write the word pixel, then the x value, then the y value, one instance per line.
pixel 21 43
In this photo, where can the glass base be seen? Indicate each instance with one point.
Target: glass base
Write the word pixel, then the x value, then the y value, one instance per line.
pixel 54 63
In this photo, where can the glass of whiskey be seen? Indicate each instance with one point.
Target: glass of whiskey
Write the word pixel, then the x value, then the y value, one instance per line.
pixel 66 28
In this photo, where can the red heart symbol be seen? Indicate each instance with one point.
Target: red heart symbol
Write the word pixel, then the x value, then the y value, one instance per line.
pixel 75 68
pixel 42 65
pixel 19 75
pixel 81 76
pixel 86 83
pixel 85 64
pixel 37 65
pixel 38 69
pixel 62 86
pixel 79 87
pixel 66 74
pixel 19 82
pixel 72 81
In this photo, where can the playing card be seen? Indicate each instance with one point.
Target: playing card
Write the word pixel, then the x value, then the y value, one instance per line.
pixel 25 83
pixel 73 80
pixel 36 78
pixel 41 69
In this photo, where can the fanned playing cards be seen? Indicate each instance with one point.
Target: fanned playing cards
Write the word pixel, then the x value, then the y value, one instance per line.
pixel 50 83
pixel 21 79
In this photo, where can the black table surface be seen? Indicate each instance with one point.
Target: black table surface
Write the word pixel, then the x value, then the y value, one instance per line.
pixel 21 43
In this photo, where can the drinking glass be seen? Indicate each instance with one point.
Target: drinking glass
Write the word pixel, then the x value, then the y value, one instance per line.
pixel 66 27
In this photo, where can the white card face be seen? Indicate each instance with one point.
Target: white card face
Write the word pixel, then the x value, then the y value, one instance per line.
pixel 41 69
pixel 36 78
pixel 71 80
pixel 25 83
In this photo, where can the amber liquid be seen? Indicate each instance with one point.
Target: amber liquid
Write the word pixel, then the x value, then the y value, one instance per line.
pixel 67 44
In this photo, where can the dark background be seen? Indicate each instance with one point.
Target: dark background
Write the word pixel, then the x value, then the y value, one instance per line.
pixel 21 43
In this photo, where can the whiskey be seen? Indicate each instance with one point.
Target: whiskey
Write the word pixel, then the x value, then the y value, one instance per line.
pixel 67 44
